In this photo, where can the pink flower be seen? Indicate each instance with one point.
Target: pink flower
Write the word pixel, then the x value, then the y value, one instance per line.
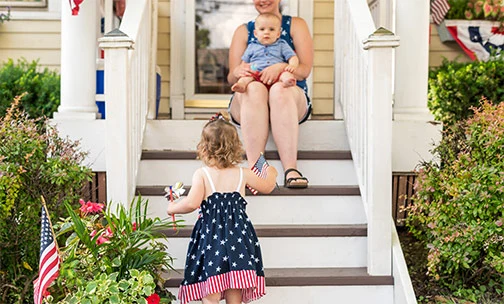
pixel 101 240
pixel 134 226
pixel 90 207
pixel 498 223
pixel 153 299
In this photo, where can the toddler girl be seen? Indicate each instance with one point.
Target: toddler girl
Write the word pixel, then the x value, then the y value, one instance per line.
pixel 224 257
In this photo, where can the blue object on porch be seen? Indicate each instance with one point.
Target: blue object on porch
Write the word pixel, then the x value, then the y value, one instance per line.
pixel 100 89
pixel 158 91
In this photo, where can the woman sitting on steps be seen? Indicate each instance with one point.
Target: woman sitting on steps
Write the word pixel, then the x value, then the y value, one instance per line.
pixel 282 107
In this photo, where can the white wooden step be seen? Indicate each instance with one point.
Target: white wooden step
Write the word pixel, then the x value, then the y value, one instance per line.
pixel 185 135
pixel 363 294
pixel 295 252
pixel 319 172
pixel 282 210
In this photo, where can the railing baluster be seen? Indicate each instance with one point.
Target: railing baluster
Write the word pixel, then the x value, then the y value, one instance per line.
pixel 127 93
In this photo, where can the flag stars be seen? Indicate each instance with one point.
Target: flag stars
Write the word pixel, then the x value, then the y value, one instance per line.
pixel 217 252
pixel 233 248
pixel 239 240
pixel 208 247
pixel 234 264
pixel 193 257
pixel 222 242
pixel 218 269
pixel 241 255
pixel 225 258
pixel 210 263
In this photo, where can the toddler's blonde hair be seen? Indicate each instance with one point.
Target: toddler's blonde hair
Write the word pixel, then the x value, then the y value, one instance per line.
pixel 220 145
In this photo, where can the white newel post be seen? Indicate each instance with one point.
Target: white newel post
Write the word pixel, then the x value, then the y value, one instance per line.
pixel 379 140
pixel 78 62
pixel 116 45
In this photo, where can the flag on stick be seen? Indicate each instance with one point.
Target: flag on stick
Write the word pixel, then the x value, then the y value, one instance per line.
pixel 438 9
pixel 49 264
pixel 259 168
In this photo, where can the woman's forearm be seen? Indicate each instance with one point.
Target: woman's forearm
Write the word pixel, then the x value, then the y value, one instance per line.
pixel 302 71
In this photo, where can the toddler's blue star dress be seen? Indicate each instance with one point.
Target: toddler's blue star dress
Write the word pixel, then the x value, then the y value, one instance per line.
pixel 224 251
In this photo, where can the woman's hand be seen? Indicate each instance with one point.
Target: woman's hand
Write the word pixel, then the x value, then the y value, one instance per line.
pixel 242 70
pixel 270 74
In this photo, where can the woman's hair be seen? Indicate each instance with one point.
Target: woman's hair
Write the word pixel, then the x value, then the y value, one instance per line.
pixel 220 145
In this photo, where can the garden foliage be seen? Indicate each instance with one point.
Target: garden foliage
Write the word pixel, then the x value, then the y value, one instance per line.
pixel 458 206
pixel 34 162
pixel 456 87
pixel 112 256
pixel 491 10
pixel 42 85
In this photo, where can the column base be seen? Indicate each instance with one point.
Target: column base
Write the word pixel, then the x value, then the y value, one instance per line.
pixel 76 115
pixel 412 141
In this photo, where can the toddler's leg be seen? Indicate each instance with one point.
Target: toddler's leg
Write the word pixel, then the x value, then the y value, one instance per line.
pixel 241 85
pixel 233 296
pixel 213 298
pixel 287 79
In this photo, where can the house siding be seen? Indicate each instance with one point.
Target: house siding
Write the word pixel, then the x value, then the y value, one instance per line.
pixel 323 64
pixel 163 54
pixel 33 40
pixel 439 50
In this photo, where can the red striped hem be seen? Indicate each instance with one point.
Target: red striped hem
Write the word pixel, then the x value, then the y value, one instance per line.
pixel 253 286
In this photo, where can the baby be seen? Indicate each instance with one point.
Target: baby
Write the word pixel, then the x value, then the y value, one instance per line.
pixel 266 51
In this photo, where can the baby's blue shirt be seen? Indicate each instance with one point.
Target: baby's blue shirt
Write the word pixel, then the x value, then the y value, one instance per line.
pixel 263 56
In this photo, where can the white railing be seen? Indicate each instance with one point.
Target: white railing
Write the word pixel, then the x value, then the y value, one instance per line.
pixel 363 86
pixel 129 93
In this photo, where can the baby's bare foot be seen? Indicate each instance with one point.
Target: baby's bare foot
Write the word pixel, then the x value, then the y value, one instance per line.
pixel 239 87
pixel 288 82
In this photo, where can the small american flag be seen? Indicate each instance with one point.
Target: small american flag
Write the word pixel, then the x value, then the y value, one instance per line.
pixel 49 264
pixel 259 168
pixel 438 9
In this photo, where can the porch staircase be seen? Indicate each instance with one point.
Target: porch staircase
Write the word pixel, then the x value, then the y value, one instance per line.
pixel 314 241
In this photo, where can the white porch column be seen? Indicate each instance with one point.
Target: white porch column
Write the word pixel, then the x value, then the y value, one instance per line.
pixel 78 62
pixel 413 134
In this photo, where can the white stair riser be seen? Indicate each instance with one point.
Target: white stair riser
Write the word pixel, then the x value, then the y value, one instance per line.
pixel 281 210
pixel 324 295
pixel 318 172
pixel 279 252
pixel 185 135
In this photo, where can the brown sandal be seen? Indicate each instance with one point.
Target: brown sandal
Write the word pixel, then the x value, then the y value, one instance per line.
pixel 292 182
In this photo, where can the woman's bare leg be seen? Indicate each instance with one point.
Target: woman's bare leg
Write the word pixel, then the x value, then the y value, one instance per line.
pixel 287 107
pixel 233 296
pixel 213 298
pixel 250 109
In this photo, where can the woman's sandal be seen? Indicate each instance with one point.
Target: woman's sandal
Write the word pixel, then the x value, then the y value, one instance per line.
pixel 293 182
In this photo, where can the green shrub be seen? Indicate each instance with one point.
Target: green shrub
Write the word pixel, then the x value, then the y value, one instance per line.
pixel 34 162
pixel 43 86
pixel 456 87
pixel 458 206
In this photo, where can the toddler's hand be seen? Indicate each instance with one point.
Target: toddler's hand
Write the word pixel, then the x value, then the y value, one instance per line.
pixel 290 68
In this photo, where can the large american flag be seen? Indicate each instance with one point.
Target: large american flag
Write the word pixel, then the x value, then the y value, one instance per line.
pixel 438 10
pixel 49 264
pixel 259 168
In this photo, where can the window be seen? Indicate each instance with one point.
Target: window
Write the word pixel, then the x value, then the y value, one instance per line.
pixel 210 27
pixel 25 3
